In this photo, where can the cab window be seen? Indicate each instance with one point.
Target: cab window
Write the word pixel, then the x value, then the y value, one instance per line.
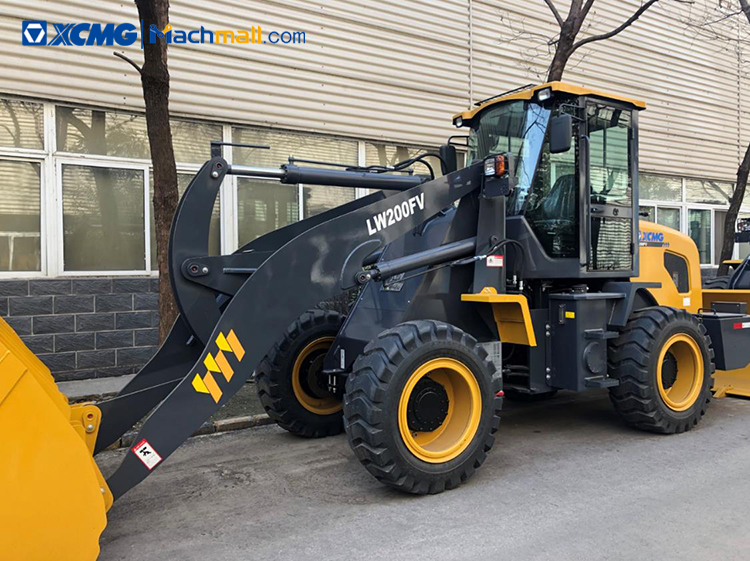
pixel 551 204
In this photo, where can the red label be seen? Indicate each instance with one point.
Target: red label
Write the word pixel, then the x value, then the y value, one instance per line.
pixel 146 453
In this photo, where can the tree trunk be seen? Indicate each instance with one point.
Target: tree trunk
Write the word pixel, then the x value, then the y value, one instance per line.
pixel 155 82
pixel 734 208
pixel 562 52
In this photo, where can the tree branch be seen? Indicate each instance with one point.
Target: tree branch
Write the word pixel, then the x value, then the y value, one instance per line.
pixel 555 13
pixel 126 59
pixel 586 9
pixel 722 18
pixel 746 8
pixel 630 21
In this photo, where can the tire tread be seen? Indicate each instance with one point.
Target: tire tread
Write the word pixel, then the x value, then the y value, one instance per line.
pixel 636 399
pixel 271 376
pixel 364 415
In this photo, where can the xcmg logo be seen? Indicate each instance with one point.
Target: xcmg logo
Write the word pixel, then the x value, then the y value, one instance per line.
pixel 652 239
pixel 79 34
pixel 646 236
pixel 34 32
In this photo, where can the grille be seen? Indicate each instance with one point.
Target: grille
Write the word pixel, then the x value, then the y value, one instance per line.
pixel 611 242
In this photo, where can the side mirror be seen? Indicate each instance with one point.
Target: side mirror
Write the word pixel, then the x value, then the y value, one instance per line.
pixel 449 160
pixel 560 134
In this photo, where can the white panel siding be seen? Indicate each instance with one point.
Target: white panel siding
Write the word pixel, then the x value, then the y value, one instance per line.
pixel 392 70
pixel 744 87
pixel 397 70
pixel 690 127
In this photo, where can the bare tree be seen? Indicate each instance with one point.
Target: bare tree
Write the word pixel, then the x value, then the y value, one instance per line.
pixel 571 36
pixel 743 170
pixel 155 82
pixel 727 23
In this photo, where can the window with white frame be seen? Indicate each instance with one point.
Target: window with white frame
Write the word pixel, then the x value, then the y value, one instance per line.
pixel 383 154
pixel 664 215
pixel 696 207
pixel 263 206
pixel 21 172
pixel 184 177
pixel 102 217
pixel 78 185
pixel 106 186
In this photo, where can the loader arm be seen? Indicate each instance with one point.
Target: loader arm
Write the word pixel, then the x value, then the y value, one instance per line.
pixel 313 266
pixel 197 301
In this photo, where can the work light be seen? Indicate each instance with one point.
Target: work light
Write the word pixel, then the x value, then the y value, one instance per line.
pixel 545 94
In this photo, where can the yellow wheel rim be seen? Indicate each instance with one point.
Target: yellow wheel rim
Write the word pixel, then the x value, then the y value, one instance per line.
pixel 461 422
pixel 688 381
pixel 304 379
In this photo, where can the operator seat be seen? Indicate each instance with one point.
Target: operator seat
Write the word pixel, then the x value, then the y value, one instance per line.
pixel 560 204
pixel 555 219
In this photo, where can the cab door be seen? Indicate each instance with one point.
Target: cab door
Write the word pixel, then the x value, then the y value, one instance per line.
pixel 610 186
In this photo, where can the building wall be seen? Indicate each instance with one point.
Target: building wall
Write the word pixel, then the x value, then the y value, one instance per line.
pixel 384 70
pixel 690 85
pixel 84 328
pixel 396 70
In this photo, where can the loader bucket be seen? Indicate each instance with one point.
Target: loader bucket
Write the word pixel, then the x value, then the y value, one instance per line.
pixel 729 382
pixel 54 498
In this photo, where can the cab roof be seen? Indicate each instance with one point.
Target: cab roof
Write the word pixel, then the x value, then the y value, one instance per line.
pixel 528 93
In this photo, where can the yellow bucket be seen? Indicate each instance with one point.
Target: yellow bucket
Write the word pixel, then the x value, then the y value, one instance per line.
pixel 54 497
pixel 729 382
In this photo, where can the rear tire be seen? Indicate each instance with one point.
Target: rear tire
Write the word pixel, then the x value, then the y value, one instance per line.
pixel 664 362
pixel 717 283
pixel 290 388
pixel 422 406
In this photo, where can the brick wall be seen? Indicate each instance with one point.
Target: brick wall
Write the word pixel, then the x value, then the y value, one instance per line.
pixel 93 327
pixel 85 328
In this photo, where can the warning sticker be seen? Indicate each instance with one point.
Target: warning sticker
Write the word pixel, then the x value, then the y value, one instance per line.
pixel 146 454
pixel 494 260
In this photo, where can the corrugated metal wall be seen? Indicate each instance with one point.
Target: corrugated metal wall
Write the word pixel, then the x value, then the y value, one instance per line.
pixel 744 132
pixel 691 87
pixel 390 70
pixel 398 70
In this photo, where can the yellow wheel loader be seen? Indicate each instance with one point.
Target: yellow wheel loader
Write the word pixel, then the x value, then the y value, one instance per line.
pixel 523 273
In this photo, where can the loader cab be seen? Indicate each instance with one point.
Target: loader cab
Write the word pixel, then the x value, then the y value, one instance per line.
pixel 575 205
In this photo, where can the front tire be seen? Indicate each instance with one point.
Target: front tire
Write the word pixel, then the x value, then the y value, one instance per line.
pixel 422 406
pixel 291 387
pixel 664 362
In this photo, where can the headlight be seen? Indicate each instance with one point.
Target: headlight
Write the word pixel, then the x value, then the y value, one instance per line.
pixel 544 95
pixel 458 122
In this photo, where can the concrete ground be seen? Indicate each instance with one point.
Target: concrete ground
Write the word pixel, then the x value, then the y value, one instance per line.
pixel 566 480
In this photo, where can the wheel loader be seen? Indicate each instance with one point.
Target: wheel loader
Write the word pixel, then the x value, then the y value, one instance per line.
pixel 524 272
